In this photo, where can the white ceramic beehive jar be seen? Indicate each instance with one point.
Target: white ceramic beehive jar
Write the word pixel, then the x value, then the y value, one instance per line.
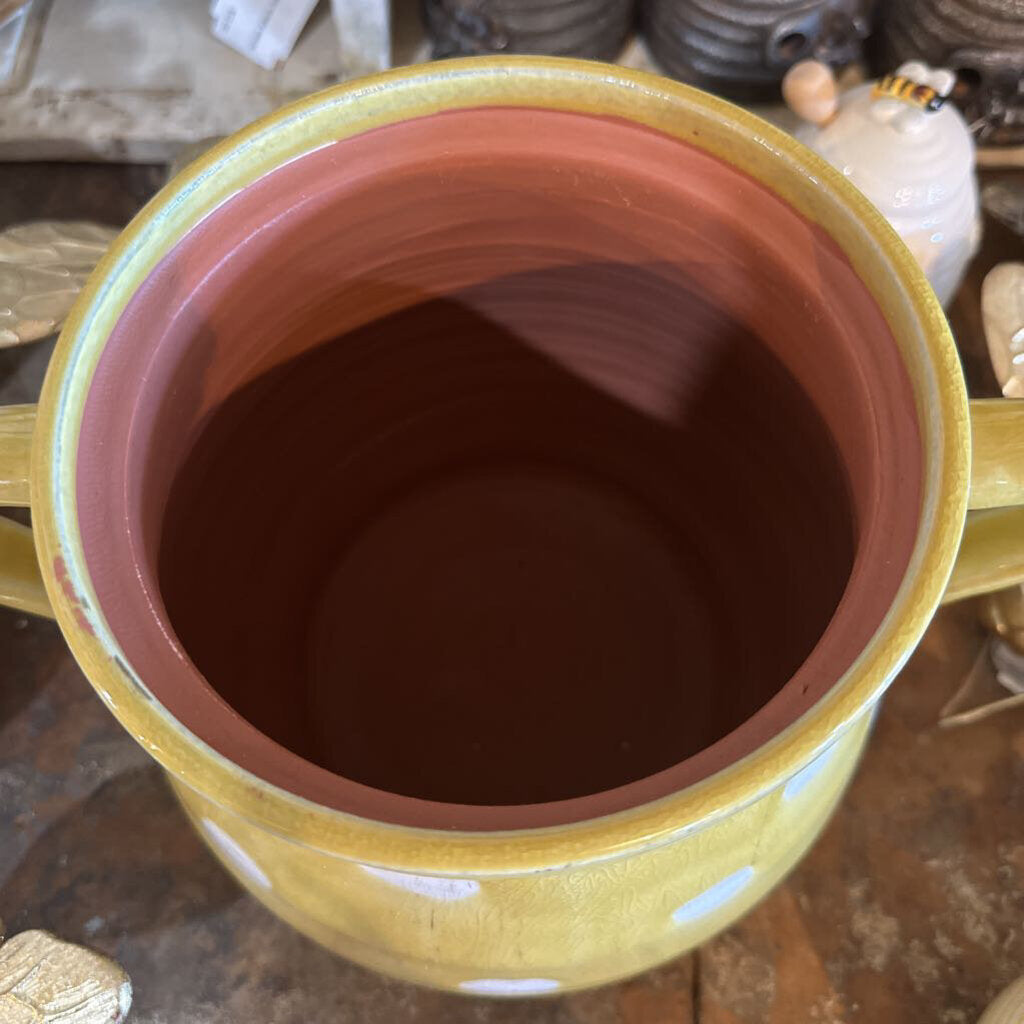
pixel 916 165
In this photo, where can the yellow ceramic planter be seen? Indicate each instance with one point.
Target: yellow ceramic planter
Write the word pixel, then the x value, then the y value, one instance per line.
pixel 568 893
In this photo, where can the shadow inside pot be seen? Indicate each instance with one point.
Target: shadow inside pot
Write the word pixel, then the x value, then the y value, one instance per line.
pixel 517 544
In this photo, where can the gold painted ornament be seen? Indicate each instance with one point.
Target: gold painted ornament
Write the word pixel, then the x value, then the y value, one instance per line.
pixel 44 980
pixel 1002 310
pixel 1008 1006
pixel 43 266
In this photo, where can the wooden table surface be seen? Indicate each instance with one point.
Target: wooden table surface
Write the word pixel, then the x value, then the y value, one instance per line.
pixel 910 907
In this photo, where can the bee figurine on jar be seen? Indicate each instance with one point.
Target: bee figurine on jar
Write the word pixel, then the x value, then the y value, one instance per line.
pixel 907 149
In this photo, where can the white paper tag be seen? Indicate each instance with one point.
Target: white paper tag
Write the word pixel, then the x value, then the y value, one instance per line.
pixel 265 31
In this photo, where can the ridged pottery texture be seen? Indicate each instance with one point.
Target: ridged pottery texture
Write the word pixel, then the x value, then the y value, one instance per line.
pixel 983 40
pixel 742 48
pixel 498 493
pixel 594 29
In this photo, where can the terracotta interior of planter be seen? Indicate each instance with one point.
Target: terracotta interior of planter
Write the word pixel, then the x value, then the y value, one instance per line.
pixel 525 461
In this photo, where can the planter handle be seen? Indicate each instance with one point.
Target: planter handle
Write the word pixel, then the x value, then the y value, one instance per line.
pixel 21 583
pixel 991 553
pixel 992 550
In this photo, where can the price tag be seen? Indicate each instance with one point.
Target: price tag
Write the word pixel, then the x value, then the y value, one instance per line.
pixel 265 31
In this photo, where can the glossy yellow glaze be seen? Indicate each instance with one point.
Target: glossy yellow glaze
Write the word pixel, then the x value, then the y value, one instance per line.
pixel 532 932
pixel 21 583
pixel 997 453
pixel 991 553
pixel 17 422
pixel 534 910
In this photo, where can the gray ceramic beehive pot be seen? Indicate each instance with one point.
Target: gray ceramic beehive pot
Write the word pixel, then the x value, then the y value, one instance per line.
pixel 570 28
pixel 982 40
pixel 742 48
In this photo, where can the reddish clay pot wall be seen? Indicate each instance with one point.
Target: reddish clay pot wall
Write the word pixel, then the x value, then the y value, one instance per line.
pixel 497 458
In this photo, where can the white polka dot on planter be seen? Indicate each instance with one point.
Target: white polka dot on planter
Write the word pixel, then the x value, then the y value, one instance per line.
pixel 714 897
pixel 510 986
pixel 435 888
pixel 799 782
